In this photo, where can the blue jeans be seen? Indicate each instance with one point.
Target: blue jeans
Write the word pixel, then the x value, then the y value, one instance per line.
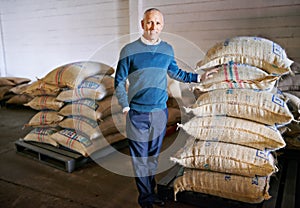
pixel 145 132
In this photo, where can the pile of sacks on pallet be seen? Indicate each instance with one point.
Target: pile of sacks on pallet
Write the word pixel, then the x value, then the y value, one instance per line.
pixel 76 108
pixel 290 87
pixel 11 89
pixel 233 132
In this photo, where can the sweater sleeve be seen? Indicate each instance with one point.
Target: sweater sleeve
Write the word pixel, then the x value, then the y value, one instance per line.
pixel 120 79
pixel 178 74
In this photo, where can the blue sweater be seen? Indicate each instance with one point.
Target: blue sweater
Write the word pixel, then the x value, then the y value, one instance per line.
pixel 146 67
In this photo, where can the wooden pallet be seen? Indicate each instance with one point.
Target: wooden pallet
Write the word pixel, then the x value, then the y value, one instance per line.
pixel 60 158
pixel 284 189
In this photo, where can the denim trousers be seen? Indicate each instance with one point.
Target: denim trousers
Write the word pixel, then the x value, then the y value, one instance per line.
pixel 145 132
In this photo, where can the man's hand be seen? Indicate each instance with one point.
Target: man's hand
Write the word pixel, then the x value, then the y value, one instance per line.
pixel 208 74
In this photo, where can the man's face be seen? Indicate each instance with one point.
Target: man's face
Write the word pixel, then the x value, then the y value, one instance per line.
pixel 152 25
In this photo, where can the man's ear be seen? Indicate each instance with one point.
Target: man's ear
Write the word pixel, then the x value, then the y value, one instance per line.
pixel 142 24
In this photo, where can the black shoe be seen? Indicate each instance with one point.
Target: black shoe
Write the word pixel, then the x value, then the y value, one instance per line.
pixel 147 206
pixel 157 201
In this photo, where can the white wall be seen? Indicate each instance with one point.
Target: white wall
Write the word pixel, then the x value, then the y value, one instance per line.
pixel 39 35
pixel 207 22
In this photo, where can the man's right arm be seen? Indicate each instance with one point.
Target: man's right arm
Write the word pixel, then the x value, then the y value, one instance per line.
pixel 120 82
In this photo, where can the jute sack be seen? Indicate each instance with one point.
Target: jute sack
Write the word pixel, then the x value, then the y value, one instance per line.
pixel 240 188
pixel 4 90
pixel 12 81
pixel 113 124
pixel 45 103
pixel 174 116
pixel 40 87
pixel 289 83
pixel 293 130
pixel 235 131
pixel 259 52
pixel 95 87
pixel 293 101
pixel 6 82
pixel 85 107
pixel 259 106
pixel 42 135
pixel 236 75
pixel 88 127
pixel 108 106
pixel 19 99
pixel 70 139
pixel 296 93
pixel 293 142
pixel 19 89
pixel 71 75
pixel 45 118
pixel 226 158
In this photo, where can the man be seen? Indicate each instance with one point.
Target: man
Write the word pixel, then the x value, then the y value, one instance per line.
pixel 146 63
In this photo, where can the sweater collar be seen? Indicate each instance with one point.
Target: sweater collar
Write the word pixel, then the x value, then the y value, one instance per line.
pixel 147 42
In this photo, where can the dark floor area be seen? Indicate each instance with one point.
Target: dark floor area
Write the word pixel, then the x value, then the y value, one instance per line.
pixel 25 182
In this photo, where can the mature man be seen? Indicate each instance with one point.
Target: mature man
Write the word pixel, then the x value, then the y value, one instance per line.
pixel 146 63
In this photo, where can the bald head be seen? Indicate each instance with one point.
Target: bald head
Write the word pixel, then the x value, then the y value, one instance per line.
pixel 152 24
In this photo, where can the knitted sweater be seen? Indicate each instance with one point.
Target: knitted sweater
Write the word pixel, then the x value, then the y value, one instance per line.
pixel 146 67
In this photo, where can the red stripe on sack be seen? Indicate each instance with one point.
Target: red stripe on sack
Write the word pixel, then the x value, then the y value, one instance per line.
pixel 226 75
pixel 236 73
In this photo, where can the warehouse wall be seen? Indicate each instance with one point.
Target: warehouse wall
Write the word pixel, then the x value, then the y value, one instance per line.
pixel 207 22
pixel 35 37
pixel 41 35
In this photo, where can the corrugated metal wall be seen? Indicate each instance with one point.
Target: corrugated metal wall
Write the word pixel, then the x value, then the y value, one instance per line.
pixel 37 36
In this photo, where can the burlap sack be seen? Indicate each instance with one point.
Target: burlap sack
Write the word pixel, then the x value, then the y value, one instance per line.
pixel 44 119
pixel 85 126
pixel 240 188
pixel 95 88
pixel 12 81
pixel 40 87
pixel 293 142
pixel 45 103
pixel 258 106
pixel 235 75
pixel 296 93
pixel 289 83
pixel 113 124
pixel 42 135
pixel 19 89
pixel 79 143
pixel 226 158
pixel 235 131
pixel 108 106
pixel 4 90
pixel 260 52
pixel 174 116
pixel 6 82
pixel 293 130
pixel 71 75
pixel 70 139
pixel 293 103
pixel 85 107
pixel 19 99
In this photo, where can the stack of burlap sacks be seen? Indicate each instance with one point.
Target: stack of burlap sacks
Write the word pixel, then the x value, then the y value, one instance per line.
pixel 290 87
pixel 233 131
pixel 11 89
pixel 76 108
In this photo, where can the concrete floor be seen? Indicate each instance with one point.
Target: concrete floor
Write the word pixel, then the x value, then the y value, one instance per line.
pixel 25 182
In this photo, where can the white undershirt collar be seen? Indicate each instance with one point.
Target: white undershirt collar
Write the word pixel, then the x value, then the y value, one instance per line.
pixel 147 42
